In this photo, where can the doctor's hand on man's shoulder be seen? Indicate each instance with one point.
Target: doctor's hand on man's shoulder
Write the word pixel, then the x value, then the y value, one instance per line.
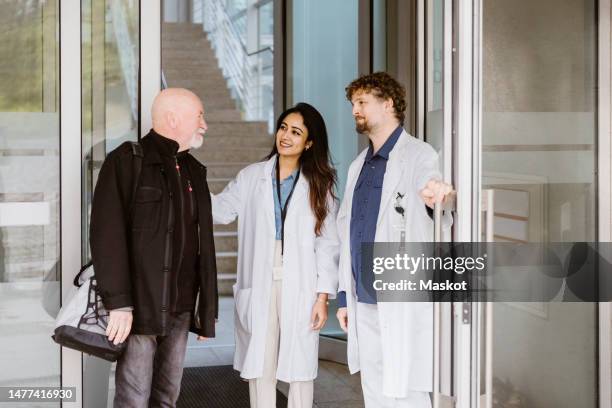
pixel 119 325
pixel 342 316
pixel 435 191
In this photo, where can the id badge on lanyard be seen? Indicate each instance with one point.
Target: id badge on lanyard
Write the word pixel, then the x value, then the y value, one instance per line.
pixel 399 208
pixel 280 202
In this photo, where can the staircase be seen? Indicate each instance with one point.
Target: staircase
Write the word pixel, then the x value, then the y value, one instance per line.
pixel 230 144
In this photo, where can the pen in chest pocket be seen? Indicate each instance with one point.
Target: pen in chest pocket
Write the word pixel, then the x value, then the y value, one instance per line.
pixel 399 208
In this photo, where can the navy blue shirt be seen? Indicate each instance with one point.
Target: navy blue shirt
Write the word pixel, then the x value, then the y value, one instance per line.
pixel 364 214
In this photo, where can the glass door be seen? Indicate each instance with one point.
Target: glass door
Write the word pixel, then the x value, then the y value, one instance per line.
pixel 535 180
pixel 30 223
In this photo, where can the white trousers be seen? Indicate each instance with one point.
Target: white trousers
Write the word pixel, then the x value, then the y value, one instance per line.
pixel 262 391
pixel 370 360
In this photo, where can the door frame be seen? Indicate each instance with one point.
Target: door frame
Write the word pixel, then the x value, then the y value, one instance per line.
pixel 466 165
pixel 604 136
pixel 150 61
pixel 445 319
pixel 70 176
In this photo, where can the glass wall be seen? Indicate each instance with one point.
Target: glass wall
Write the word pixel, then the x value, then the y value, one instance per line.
pixel 29 193
pixel 319 71
pixel 434 75
pixel 539 149
pixel 240 37
pixel 394 46
pixel 110 57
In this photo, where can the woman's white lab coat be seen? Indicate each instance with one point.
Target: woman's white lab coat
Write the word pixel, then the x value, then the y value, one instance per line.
pixel 310 266
pixel 406 328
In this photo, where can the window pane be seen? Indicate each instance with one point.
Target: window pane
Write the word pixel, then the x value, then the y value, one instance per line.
pixel 320 70
pixel 29 193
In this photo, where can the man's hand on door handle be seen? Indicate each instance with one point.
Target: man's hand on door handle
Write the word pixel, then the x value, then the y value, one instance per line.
pixel 435 191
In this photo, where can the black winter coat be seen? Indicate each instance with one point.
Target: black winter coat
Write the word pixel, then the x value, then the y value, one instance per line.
pixel 136 260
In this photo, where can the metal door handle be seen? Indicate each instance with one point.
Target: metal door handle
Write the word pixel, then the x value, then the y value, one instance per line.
pixel 488 207
pixel 447 205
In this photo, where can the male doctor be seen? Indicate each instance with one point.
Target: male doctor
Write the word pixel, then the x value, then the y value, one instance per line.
pixel 390 187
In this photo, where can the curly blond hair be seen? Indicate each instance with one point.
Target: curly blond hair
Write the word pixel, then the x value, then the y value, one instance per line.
pixel 383 86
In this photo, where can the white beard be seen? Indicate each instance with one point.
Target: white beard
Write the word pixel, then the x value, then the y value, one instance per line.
pixel 196 141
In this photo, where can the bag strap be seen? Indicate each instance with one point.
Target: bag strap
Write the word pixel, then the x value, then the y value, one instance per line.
pixel 137 155
pixel 78 276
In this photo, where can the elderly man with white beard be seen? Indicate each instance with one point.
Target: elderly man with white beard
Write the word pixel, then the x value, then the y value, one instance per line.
pixel 153 251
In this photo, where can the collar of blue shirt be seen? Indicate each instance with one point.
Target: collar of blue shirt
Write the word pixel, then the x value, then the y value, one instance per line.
pixel 290 178
pixel 386 147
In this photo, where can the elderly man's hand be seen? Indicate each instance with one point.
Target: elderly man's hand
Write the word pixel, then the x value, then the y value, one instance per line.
pixel 119 326
pixel 435 191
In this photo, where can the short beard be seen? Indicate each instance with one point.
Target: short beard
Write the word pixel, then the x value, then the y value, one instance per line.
pixel 196 141
pixel 362 127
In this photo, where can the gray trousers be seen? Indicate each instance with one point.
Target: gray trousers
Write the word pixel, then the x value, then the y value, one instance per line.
pixel 150 370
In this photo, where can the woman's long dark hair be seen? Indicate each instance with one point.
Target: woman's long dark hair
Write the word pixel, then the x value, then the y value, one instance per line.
pixel 315 162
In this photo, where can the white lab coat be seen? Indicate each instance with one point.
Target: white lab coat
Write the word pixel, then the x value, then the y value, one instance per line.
pixel 406 328
pixel 310 266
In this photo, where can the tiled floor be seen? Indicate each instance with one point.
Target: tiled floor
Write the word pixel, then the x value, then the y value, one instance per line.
pixel 334 387
pixel 217 351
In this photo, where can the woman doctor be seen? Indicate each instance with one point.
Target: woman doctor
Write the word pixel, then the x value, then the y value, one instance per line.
pixel 287 258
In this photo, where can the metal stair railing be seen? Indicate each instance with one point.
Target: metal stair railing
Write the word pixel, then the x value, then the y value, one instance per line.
pixel 249 75
pixel 128 54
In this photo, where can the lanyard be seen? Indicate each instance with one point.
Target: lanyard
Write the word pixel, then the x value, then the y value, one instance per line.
pixel 280 202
